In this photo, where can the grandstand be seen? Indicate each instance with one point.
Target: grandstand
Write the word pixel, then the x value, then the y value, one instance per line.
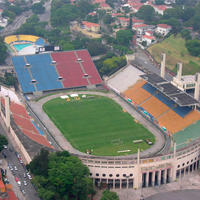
pixel 57 70
pixel 168 106
pixel 24 122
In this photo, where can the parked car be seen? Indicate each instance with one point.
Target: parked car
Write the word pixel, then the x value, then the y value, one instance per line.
pixel 148 142
pixel 29 176
pixel 15 168
pixel 19 183
pixel 25 183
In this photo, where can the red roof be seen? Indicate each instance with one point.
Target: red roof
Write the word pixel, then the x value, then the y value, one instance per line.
pixel 89 24
pixel 137 20
pixel 92 13
pixel 161 7
pixel 164 26
pixel 149 37
pixel 150 32
pixel 139 25
pixel 116 14
pixel 104 5
pixel 100 1
pixel 123 19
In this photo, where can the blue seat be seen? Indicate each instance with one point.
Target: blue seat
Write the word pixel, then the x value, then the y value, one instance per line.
pixel 22 74
pixel 44 72
pixel 149 88
pixel 38 129
pixel 182 111
pixel 40 41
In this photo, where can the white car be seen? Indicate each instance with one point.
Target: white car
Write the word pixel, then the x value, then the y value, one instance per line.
pixel 15 168
pixel 5 147
pixel 25 183
pixel 29 176
pixel 19 183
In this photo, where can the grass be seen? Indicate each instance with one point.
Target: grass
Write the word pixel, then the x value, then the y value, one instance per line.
pixel 175 50
pixel 97 124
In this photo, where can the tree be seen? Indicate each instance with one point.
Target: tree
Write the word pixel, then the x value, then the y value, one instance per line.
pixel 3 51
pixel 66 177
pixel 107 19
pixel 123 37
pixel 108 195
pixel 9 79
pixel 193 47
pixel 146 13
pixel 95 48
pixel 3 141
pixel 39 165
pixel 110 65
pixel 38 8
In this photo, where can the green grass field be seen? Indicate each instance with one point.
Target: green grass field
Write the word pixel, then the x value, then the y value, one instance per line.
pixel 175 50
pixel 97 124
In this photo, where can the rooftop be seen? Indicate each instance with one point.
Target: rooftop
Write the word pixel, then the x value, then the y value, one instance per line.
pixel 169 90
pixel 163 26
pixel 90 24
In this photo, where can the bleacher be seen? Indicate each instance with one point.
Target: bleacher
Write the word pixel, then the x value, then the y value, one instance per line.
pixel 89 67
pixel 43 72
pixel 68 67
pixel 182 111
pixel 24 122
pixel 155 107
pixel 40 41
pixel 28 38
pixel 22 74
pixel 169 115
pixel 46 74
pixel 174 123
pixel 10 39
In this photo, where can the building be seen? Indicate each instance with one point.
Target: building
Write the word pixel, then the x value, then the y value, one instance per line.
pixel 163 29
pixel 148 39
pixel 123 21
pixel 160 9
pixel 91 27
pixel 140 28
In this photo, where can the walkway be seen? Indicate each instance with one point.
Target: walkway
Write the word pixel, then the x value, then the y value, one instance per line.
pixel 37 108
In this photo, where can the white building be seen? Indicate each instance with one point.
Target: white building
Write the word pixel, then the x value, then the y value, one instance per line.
pixel 163 29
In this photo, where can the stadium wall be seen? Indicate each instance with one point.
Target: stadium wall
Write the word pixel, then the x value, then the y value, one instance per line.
pixel 14 137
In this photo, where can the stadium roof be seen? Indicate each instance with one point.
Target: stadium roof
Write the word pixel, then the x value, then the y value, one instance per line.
pixel 178 96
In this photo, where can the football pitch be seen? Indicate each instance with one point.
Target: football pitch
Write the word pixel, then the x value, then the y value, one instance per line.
pixel 97 125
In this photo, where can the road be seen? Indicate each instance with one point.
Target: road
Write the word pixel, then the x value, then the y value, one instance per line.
pixel 177 195
pixel 19 20
pixel 142 59
pixel 12 159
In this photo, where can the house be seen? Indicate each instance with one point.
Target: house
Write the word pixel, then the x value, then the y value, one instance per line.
pixel 149 33
pixel 163 29
pixel 105 6
pixel 140 28
pixel 148 39
pixel 123 21
pixel 135 6
pixel 160 9
pixel 91 27
pixel 137 21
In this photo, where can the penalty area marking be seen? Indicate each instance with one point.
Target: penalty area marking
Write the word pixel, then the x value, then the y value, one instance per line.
pixel 123 151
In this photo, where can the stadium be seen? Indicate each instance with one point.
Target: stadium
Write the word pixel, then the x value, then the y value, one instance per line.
pixel 142 133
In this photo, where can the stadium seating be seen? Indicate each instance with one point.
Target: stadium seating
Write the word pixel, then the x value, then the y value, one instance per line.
pixel 174 123
pixel 89 67
pixel 134 88
pixel 43 72
pixel 182 111
pixel 68 67
pixel 29 38
pixel 26 125
pixel 139 96
pixel 149 88
pixel 40 41
pixel 10 39
pixel 22 74
pixel 38 129
pixel 155 107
